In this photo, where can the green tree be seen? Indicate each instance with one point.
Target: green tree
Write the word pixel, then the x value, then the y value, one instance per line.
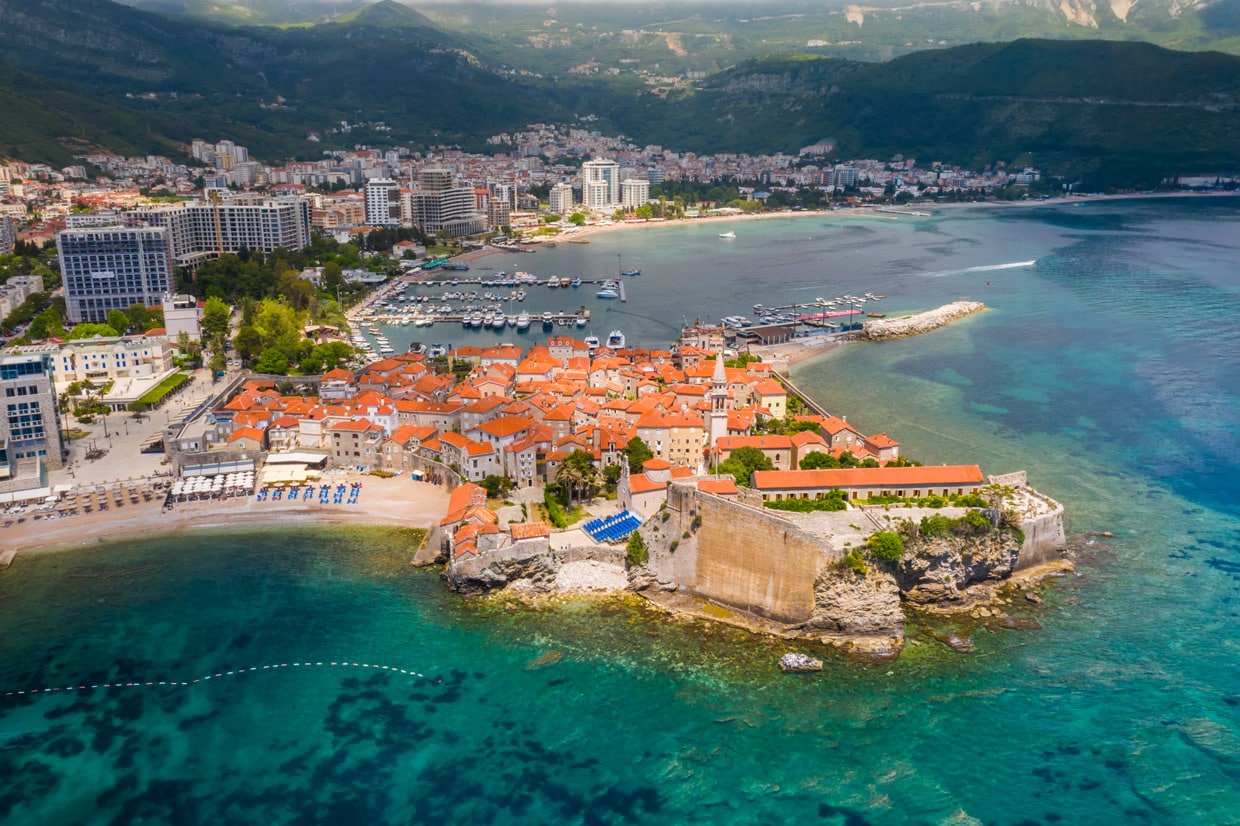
pixel 743 462
pixel 818 461
pixel 215 315
pixel 325 357
pixel 88 330
pixel 636 551
pixel 578 476
pixel 190 350
pixel 577 219
pixel 497 486
pixel 273 362
pixel 249 343
pixel 118 321
pixel 886 546
pixel 637 452
pixel 143 318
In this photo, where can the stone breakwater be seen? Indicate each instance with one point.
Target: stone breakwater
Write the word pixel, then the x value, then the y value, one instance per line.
pixel 921 323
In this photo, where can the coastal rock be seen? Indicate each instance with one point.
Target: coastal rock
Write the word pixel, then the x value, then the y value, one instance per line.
pixel 957 572
pixel 918 324
pixel 851 607
pixel 474 577
pixel 642 578
pixel 798 663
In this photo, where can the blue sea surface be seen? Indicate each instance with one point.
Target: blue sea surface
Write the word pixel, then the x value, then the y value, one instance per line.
pixel 1109 369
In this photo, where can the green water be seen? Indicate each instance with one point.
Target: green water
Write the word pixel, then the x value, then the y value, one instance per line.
pixel 1107 369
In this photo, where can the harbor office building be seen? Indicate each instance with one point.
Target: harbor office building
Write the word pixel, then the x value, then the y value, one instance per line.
pixel 863 483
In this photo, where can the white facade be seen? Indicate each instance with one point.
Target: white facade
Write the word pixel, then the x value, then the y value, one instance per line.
pixel 182 315
pixel 561 199
pixel 200 230
pixel 600 184
pixel 382 202
pixel 100 360
pixel 634 192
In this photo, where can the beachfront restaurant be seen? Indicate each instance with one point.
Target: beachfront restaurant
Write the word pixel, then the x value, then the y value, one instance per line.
pixel 290 469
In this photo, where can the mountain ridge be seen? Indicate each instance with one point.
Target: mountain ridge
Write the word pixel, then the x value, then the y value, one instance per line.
pixel 1105 108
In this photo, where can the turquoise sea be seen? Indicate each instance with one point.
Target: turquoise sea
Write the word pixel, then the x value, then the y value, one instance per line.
pixel 1109 369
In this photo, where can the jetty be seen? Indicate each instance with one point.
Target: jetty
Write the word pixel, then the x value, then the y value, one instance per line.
pixel 917 324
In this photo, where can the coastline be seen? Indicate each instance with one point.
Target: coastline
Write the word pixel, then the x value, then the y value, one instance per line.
pixel 397 503
pixel 889 212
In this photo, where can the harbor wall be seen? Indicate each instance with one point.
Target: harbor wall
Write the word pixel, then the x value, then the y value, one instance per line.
pixel 922 323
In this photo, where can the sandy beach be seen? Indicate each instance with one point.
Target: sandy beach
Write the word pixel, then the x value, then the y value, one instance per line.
pixel 397 502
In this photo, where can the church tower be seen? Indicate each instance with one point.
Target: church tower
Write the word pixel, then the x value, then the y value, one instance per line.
pixel 718 405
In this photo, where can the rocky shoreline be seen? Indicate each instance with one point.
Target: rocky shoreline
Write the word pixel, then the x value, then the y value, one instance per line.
pixel 905 326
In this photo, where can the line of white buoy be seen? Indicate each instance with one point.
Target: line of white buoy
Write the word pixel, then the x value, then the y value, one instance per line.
pixel 216 676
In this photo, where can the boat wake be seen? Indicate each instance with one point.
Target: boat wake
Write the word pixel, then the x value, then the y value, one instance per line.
pixel 1015 265
pixel 219 675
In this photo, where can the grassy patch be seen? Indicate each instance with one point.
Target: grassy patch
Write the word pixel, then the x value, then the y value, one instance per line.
pixel 156 394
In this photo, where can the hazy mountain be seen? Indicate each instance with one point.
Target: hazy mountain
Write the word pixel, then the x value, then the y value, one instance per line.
pixel 1112 110
pixel 552 37
pixel 267 87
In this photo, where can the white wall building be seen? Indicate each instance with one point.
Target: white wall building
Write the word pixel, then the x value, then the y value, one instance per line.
pixel 182 315
pixel 600 184
pixel 562 200
pixel 101 360
pixel 634 192
pixel 382 202
pixel 200 230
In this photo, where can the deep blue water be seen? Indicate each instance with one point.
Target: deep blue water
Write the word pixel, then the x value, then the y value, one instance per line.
pixel 1108 369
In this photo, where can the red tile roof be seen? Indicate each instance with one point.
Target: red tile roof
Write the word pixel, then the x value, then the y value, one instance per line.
pixel 721 487
pixel 886 477
pixel 641 483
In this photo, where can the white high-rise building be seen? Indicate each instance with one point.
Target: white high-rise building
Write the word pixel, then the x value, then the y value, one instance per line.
pixel 227 223
pixel 600 184
pixel 110 268
pixel 437 204
pixel 382 202
pixel 561 199
pixel 634 192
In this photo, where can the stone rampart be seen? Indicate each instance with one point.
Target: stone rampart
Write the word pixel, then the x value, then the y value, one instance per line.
pixel 1044 537
pixel 756 561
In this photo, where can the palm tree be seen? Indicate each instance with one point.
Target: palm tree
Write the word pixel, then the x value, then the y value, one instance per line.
pixel 578 475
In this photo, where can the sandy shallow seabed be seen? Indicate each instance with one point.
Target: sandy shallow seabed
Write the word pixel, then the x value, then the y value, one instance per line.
pixel 399 503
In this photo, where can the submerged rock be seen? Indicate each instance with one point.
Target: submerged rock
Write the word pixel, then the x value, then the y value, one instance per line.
pixel 957 643
pixel 797 663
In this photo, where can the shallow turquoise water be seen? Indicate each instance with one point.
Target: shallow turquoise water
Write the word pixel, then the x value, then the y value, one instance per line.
pixel 1108 370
